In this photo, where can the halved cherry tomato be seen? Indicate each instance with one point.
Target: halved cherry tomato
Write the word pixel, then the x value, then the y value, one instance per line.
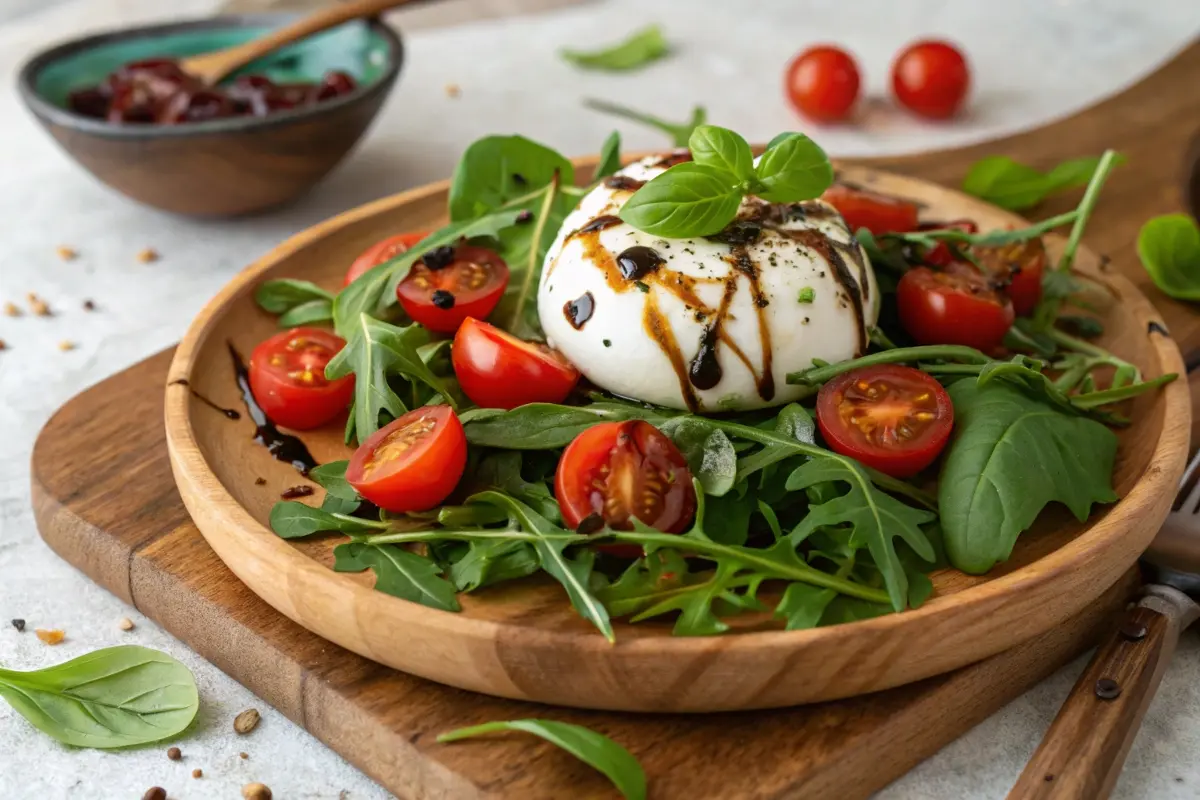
pixel 380 252
pixel 287 378
pixel 497 370
pixel 955 306
pixel 615 471
pixel 893 418
pixel 1020 265
pixel 822 83
pixel 413 463
pixel 878 213
pixel 450 284
pixel 931 78
pixel 940 254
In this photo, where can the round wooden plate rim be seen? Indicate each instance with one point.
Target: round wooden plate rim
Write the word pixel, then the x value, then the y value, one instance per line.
pixel 312 579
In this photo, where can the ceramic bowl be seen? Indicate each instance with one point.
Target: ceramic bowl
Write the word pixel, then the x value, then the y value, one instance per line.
pixel 223 167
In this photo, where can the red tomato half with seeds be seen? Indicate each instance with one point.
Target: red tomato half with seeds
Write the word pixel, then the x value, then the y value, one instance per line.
pixel 940 254
pixel 894 418
pixel 497 370
pixel 412 464
pixel 616 471
pixel 955 306
pixel 931 78
pixel 822 83
pixel 380 252
pixel 878 213
pixel 287 378
pixel 1019 265
pixel 450 284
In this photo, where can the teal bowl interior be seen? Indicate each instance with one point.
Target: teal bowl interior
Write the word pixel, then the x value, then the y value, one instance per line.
pixel 355 48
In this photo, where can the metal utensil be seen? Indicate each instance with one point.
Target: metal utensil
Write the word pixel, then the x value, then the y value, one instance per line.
pixel 1082 753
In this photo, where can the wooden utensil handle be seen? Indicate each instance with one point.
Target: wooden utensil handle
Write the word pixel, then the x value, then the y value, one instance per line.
pixel 1082 753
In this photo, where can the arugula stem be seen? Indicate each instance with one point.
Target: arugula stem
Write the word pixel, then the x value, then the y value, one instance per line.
pixel 1106 396
pixel 533 268
pixel 474 730
pixel 950 369
pixel 679 133
pixel 1090 196
pixel 1087 348
pixel 902 488
pixel 440 534
pixel 947 352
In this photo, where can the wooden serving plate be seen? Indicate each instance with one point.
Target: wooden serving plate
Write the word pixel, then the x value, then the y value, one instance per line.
pixel 525 642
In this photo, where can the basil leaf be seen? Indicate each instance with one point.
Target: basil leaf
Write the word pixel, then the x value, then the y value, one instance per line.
pixel 780 137
pixel 680 133
pixel 1169 248
pixel 292 519
pixel 1015 186
pixel 374 351
pixel 307 314
pixel 709 453
pixel 278 296
pixel 544 426
pixel 610 157
pixel 639 49
pixel 793 168
pixel 497 169
pixel 1010 456
pixel 115 697
pixel 593 749
pixel 399 573
pixel 722 149
pixel 687 200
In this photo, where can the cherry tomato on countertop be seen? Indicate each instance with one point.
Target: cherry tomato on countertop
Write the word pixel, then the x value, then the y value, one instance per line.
pixel 451 283
pixel 822 83
pixel 894 418
pixel 381 251
pixel 618 470
pixel 497 370
pixel 412 464
pixel 931 78
pixel 287 378
pixel 878 213
pixel 1019 265
pixel 955 306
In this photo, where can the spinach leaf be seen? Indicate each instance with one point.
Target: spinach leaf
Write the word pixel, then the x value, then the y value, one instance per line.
pixel 638 50
pixel 1010 456
pixel 546 426
pixel 722 149
pixel 1009 184
pixel 307 314
pixel 374 351
pixel 680 133
pixel 115 697
pixel 340 496
pixel 793 168
pixel 593 749
pixel 398 573
pixel 709 453
pixel 279 296
pixel 610 157
pixel 495 170
pixel 1169 248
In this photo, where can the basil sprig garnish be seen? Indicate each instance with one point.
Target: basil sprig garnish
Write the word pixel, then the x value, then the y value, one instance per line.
pixel 702 196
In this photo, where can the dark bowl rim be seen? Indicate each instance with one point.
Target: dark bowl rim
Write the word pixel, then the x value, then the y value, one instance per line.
pixel 50 113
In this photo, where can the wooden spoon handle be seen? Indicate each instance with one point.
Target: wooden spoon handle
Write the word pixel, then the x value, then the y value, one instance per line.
pixel 213 66
pixel 1082 753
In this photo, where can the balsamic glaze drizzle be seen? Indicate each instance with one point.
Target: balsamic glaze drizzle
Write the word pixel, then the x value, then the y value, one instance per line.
pixel 579 310
pixel 230 413
pixel 282 446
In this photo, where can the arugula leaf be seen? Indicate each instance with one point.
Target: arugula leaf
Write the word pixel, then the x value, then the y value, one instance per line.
pixel 645 582
pixel 722 149
pixel 278 296
pixel 292 519
pixel 794 423
pixel 687 200
pixel 709 453
pixel 695 602
pixel 1010 456
pixel 115 697
pixel 802 605
pixel 1009 184
pixel 495 170
pixel 593 749
pixel 340 496
pixel 792 169
pixel 374 351
pixel 610 157
pixel 398 573
pixel 502 471
pixel 638 50
pixel 1169 248
pixel 546 426
pixel 680 133
pixel 488 563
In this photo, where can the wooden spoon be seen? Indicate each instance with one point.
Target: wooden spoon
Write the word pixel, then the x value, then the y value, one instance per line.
pixel 212 67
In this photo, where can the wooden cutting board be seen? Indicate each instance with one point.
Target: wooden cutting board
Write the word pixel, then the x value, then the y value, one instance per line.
pixel 117 516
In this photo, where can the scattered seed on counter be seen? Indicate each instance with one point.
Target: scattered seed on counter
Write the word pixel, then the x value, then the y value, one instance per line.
pixel 67 253
pixel 66 346
pixel 246 721
pixel 453 90
pixel 38 306
pixel 197 773
pixel 155 793
pixel 243 756
pixel 256 791
pixel 126 624
pixel 19 624
pixel 12 310
pixel 148 256
pixel 88 305
pixel 3 345
pixel 174 753
pixel 52 636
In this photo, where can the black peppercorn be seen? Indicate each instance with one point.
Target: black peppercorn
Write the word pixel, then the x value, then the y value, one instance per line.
pixel 443 299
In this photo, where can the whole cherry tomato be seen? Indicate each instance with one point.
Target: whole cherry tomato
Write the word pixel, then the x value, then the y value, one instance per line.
pixel 497 370
pixel 931 78
pixel 287 378
pixel 452 283
pixel 381 251
pixel 822 83
pixel 955 306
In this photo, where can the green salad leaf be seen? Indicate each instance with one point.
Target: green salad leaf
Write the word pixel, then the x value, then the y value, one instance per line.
pixel 594 749
pixel 679 132
pixel 399 573
pixel 793 168
pixel 1010 456
pixel 546 426
pixel 610 157
pixel 1004 182
pixel 297 302
pixel 638 50
pixel 1169 248
pixel 115 697
pixel 689 199
pixel 496 170
pixel 722 149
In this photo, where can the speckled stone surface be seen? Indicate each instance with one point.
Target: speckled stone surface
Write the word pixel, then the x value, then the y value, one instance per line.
pixel 1035 60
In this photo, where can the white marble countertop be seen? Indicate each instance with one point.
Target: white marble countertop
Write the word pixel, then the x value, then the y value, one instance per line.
pixel 1034 60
